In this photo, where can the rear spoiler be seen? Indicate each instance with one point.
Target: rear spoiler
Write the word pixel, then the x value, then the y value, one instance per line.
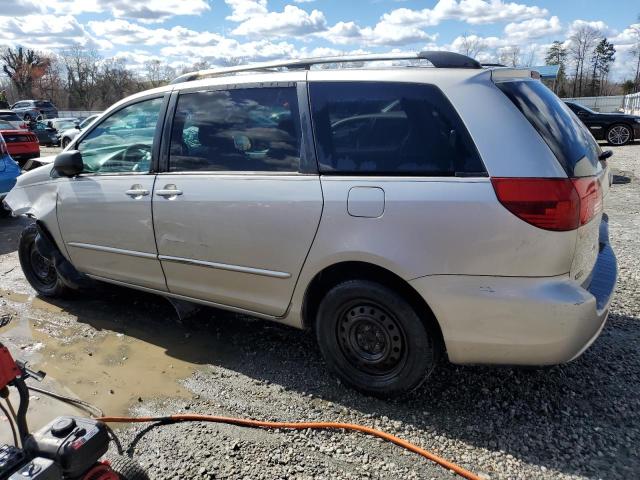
pixel 501 74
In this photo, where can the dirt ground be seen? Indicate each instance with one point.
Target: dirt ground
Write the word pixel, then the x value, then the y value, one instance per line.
pixel 125 352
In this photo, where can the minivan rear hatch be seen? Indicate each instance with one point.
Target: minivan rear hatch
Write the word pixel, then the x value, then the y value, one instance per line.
pixel 579 155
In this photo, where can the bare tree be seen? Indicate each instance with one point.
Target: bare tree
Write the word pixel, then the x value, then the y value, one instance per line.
pixel 471 45
pixel 115 81
pixel 82 70
pixel 510 56
pixel 23 67
pixel 158 73
pixel 581 46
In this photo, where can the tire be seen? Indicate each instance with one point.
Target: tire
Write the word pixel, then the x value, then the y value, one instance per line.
pixel 64 142
pixel 374 340
pixel 127 468
pixel 39 271
pixel 619 134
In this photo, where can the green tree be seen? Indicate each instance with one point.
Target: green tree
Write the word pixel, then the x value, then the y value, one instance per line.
pixel 557 55
pixel 602 58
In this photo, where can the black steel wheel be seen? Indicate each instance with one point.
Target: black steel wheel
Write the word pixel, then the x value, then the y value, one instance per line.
pixel 38 270
pixel 374 339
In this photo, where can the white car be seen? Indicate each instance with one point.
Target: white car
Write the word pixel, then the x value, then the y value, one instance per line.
pixel 70 133
pixel 402 213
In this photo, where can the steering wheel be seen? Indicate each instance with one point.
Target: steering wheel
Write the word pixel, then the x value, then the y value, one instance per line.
pixel 137 153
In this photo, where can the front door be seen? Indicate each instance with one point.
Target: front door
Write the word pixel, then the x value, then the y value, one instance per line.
pixel 105 213
pixel 235 214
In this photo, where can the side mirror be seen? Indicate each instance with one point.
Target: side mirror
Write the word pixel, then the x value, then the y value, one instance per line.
pixel 68 164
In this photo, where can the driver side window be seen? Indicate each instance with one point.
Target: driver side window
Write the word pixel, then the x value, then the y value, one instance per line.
pixel 122 142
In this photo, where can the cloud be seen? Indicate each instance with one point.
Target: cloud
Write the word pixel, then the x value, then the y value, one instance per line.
pixel 47 32
pixel 21 8
pixel 382 33
pixel 532 29
pixel 292 21
pixel 230 49
pixel 148 11
pixel 122 32
pixel 469 11
pixel 242 10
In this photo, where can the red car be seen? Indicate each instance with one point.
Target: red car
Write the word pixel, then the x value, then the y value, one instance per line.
pixel 22 144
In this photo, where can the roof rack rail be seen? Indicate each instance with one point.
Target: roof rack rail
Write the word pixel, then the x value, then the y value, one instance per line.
pixel 438 59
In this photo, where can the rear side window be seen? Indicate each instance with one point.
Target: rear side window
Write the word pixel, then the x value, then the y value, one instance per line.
pixel 43 104
pixel 253 129
pixel 390 128
pixel 567 137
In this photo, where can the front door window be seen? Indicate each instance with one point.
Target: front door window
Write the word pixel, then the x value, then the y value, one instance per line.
pixel 122 142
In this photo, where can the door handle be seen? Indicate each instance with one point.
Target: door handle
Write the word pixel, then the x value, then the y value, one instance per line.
pixel 137 191
pixel 169 191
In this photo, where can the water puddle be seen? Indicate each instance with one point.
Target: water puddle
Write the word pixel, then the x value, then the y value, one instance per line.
pixel 114 352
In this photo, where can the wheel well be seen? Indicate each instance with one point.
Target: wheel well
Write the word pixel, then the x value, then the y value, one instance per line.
pixel 340 272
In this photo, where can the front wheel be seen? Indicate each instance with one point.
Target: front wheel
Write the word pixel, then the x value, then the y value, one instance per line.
pixel 619 135
pixel 374 340
pixel 38 270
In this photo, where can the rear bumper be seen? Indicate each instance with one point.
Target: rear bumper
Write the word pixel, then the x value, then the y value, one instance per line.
pixel 521 321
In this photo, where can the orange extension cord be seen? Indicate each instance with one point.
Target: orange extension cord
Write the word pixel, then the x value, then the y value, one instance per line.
pixel 300 426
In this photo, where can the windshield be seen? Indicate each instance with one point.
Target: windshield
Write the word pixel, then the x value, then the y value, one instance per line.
pixel 567 137
pixel 580 107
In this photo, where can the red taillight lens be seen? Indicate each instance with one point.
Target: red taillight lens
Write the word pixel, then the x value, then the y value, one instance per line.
pixel 590 193
pixel 558 204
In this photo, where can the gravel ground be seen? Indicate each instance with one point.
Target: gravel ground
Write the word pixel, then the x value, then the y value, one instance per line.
pixel 579 420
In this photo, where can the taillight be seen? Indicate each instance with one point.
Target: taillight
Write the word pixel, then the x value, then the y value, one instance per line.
pixel 558 204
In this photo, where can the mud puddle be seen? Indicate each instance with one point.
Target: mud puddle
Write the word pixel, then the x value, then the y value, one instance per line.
pixel 115 352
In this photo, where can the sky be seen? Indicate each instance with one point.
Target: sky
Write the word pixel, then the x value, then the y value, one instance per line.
pixel 183 32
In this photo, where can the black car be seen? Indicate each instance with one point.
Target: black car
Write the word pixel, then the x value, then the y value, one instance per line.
pixel 46 135
pixel 615 128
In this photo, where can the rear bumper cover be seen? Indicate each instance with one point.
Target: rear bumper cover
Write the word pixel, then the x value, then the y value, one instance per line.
pixel 521 321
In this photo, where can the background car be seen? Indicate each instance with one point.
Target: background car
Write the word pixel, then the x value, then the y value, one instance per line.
pixel 34 109
pixel 13 118
pixel 615 128
pixel 59 125
pixel 71 133
pixel 9 172
pixel 46 135
pixel 22 145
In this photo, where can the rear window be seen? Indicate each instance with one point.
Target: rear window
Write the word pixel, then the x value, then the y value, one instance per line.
pixel 567 137
pixel 390 128
pixel 10 117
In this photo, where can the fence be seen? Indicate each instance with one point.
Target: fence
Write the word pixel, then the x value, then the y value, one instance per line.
pixel 608 104
pixel 77 113
pixel 632 104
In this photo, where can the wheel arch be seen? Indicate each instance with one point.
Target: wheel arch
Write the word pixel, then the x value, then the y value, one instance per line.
pixel 333 274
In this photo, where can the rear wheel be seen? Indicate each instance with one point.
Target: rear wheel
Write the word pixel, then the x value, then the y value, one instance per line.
pixel 38 270
pixel 619 135
pixel 373 339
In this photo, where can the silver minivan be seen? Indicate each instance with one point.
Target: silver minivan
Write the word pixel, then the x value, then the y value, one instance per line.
pixel 404 207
